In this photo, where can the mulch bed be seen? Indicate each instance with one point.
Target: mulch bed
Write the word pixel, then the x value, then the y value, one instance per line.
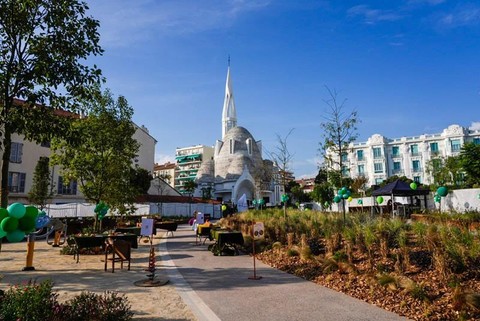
pixel 435 301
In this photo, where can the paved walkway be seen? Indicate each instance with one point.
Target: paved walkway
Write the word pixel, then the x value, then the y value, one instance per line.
pixel 218 288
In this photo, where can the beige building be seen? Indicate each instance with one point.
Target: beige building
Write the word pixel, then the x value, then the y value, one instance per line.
pixel 166 172
pixel 25 155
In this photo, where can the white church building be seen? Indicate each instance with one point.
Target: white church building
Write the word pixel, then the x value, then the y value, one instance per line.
pixel 237 164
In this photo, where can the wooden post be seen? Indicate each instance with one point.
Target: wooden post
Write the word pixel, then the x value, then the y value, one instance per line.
pixel 30 250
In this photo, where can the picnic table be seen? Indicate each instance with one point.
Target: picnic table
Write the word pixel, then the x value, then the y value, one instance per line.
pixel 226 242
pixel 98 240
pixel 169 226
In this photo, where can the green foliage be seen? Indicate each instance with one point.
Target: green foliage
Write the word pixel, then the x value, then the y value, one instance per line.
pixel 189 186
pixel 108 306
pixel 470 161
pixel 292 252
pixel 43 51
pixel 37 302
pixel 32 301
pixel 99 152
pixel 41 191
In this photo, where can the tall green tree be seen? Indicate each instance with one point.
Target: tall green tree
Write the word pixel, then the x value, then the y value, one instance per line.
pixel 470 161
pixel 44 45
pixel 41 190
pixel 99 152
pixel 339 130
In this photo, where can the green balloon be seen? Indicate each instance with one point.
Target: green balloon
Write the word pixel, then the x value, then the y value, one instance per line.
pixel 31 211
pixel 360 202
pixel 437 199
pixel 442 191
pixel 3 213
pixel 15 236
pixel 413 185
pixel 379 199
pixel 2 233
pixel 27 223
pixel 337 199
pixel 16 210
pixel 9 224
pixel 326 204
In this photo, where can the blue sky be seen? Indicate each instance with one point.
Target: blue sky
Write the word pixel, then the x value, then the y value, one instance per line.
pixel 407 67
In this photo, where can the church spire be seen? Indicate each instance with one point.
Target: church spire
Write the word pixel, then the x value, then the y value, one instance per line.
pixel 229 114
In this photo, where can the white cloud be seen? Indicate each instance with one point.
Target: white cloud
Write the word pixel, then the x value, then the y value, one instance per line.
pixel 430 2
pixel 126 22
pixel 372 16
pixel 475 125
pixel 465 15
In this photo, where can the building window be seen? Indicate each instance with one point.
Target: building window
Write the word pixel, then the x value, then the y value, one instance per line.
pixel 249 146
pixel 361 170
pixel 344 157
pixel 360 155
pixel 434 148
pixel 231 146
pixel 395 151
pixel 416 165
pixel 345 171
pixel 377 152
pixel 455 143
pixel 397 167
pixel 476 141
pixel 414 150
pixel 67 189
pixel 16 153
pixel 16 182
pixel 378 181
pixel 378 167
pixel 417 179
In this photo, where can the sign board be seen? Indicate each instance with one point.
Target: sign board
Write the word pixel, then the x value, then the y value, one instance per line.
pixel 258 231
pixel 200 218
pixel 148 225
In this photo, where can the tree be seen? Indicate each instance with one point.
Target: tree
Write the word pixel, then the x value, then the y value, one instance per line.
pixel 189 186
pixel 339 130
pixel 470 161
pixel 446 171
pixel 99 152
pixel 263 176
pixel 282 157
pixel 41 192
pixel 43 48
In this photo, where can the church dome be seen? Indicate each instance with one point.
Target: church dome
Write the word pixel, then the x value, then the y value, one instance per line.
pixel 239 150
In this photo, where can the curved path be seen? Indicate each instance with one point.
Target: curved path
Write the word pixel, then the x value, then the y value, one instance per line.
pixel 219 288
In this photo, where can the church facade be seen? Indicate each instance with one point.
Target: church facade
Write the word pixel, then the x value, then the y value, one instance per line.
pixel 237 167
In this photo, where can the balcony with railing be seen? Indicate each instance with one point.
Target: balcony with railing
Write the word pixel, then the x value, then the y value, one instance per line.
pixel 416 169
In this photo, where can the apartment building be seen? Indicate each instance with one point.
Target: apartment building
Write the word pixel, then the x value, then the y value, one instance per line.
pixel 25 155
pixel 188 161
pixel 379 157
pixel 165 171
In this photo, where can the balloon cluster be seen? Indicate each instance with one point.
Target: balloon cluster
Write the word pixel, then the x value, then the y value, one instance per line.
pixel 16 221
pixel 260 201
pixel 101 210
pixel 284 198
pixel 343 193
pixel 442 191
pixel 42 220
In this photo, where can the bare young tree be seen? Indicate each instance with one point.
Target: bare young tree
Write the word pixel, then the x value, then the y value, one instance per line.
pixel 282 157
pixel 339 130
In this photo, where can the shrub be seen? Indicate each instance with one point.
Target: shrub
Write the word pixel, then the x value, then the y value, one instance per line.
pixel 33 302
pixel 106 307
pixel 37 302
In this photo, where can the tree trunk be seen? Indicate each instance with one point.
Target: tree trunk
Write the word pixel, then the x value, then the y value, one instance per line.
pixel 7 145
